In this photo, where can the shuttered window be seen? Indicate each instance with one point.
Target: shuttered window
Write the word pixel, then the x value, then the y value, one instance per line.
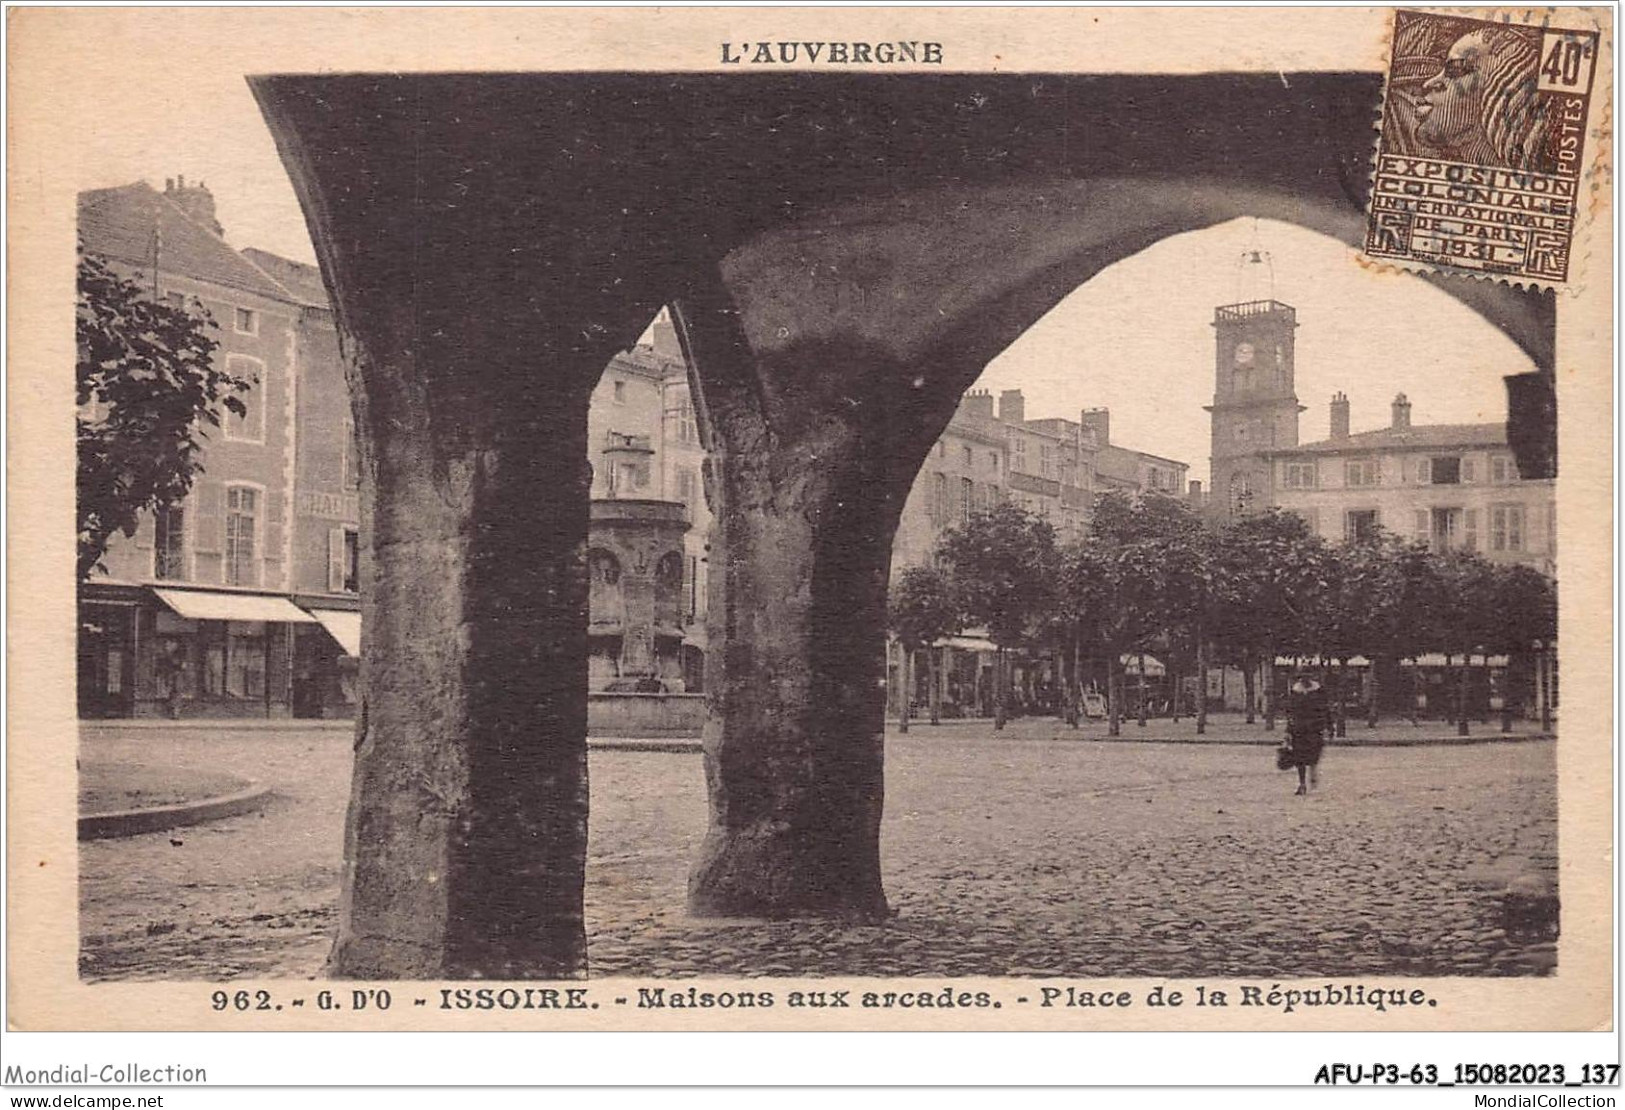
pixel 343 560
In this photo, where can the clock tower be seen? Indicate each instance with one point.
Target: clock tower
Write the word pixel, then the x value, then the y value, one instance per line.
pixel 1255 403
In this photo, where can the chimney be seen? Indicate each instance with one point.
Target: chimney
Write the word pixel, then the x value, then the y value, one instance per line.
pixel 1012 408
pixel 1340 415
pixel 196 201
pixel 1402 411
pixel 1193 493
pixel 1099 423
pixel 979 403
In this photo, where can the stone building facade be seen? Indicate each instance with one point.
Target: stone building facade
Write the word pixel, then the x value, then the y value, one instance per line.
pixel 198 612
pixel 644 397
pixel 1053 467
pixel 1452 486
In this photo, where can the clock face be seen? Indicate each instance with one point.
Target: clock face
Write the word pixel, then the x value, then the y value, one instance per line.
pixel 1244 354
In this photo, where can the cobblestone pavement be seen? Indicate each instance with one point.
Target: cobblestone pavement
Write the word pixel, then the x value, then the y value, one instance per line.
pixel 1034 858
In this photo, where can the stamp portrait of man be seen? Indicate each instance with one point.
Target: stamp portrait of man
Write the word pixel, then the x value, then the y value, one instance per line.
pixel 1480 104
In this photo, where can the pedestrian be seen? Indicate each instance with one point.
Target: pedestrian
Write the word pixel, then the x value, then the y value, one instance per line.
pixel 1307 719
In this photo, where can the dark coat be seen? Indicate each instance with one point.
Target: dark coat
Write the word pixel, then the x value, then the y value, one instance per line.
pixel 1308 719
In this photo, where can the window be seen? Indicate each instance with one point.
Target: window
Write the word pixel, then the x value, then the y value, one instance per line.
pixel 1046 460
pixel 687 484
pixel 169 543
pixel 1018 455
pixel 1244 380
pixel 233 659
pixel 1360 472
pixel 970 459
pixel 1442 470
pixel 966 496
pixel 939 497
pixel 1506 528
pixel 1470 534
pixel 352 457
pixel 1469 469
pixel 1241 494
pixel 1298 475
pixel 1503 468
pixel 626 478
pixel 1443 528
pixel 680 424
pixel 250 426
pixel 242 506
pixel 344 560
pixel 620 392
pixel 247 321
pixel 1360 525
pixel 993 460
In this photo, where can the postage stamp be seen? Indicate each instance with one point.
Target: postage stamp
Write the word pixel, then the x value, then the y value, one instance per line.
pixel 1481 159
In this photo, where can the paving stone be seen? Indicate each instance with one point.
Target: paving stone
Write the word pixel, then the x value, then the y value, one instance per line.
pixel 1075 880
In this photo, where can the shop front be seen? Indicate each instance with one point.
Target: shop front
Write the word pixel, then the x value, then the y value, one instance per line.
pixel 327 663
pixel 150 651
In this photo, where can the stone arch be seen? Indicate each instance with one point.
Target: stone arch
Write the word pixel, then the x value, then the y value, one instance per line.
pixel 846 253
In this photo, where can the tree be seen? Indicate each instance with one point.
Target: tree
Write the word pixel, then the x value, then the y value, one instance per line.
pixel 1524 614
pixel 1003 565
pixel 1466 618
pixel 921 610
pixel 1140 576
pixel 1274 572
pixel 1358 613
pixel 147 389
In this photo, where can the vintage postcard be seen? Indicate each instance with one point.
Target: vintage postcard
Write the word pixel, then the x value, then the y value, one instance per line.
pixel 811 519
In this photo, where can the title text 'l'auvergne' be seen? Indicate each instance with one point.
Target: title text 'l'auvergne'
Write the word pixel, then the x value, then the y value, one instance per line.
pixel 832 53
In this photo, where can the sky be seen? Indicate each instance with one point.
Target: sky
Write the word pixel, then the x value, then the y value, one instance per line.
pixel 1137 338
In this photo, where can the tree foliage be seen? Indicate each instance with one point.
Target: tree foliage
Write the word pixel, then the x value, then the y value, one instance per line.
pixel 1150 575
pixel 922 607
pixel 1003 563
pixel 147 390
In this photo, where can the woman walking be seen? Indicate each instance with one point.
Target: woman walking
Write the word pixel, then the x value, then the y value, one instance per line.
pixel 1307 719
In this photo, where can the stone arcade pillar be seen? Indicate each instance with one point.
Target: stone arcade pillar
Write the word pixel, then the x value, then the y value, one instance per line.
pixel 807 475
pixel 793 745
pixel 472 357
pixel 467 829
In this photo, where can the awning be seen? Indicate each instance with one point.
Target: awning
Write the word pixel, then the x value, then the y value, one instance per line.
pixel 212 605
pixel 1436 659
pixel 1317 661
pixel 1153 666
pixel 344 625
pixel 967 643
